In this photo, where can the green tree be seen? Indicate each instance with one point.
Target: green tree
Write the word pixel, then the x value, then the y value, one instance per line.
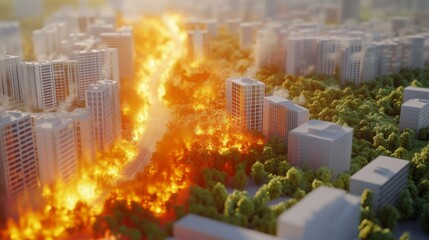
pixel 405 204
pixel 369 230
pixel 324 174
pixel 240 179
pixel 406 139
pixel 258 173
pixel 424 217
pixel 405 236
pixel 366 199
pixel 275 188
pixel 388 216
pixel 219 194
pixel 294 177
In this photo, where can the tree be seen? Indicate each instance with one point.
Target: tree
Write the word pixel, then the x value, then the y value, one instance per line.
pixel 294 177
pixel 369 230
pixel 366 199
pixel 275 188
pixel 240 179
pixel 219 194
pixel 405 236
pixel 324 174
pixel 405 204
pixel 258 173
pixel 299 194
pixel 406 139
pixel 388 216
pixel 424 134
pixel 424 217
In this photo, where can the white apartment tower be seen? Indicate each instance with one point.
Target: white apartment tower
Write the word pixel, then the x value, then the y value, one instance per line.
pixel 327 50
pixel 56 148
pixel 66 78
pixel 281 116
pixel 417 44
pixel 18 157
pixel 84 136
pixel 244 101
pixel 10 38
pixel 110 64
pixel 47 41
pixel 198 44
pixel 10 85
pixel 350 61
pixel 38 86
pixel 415 92
pixel 89 70
pixel 103 100
pixel 301 55
pixel 123 41
pixel 318 144
pixel 370 67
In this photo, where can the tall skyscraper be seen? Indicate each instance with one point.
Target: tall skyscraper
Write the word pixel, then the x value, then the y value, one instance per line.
pixel 327 50
pixel 281 116
pixel 350 61
pixel 38 84
pixel 301 55
pixel 103 100
pixel 10 39
pixel 370 67
pixel 47 41
pixel 110 64
pixel 198 44
pixel 18 158
pixel 318 144
pixel 84 136
pixel 123 41
pixel 350 10
pixel 417 44
pixel 89 70
pixel 56 148
pixel 10 86
pixel 66 78
pixel 244 101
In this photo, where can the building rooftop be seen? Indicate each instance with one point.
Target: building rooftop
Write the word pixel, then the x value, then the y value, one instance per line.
pixel 416 103
pixel 50 121
pixel 197 227
pixel 322 130
pixel 322 198
pixel 244 81
pixel 11 116
pixel 380 170
pixel 286 103
pixel 411 88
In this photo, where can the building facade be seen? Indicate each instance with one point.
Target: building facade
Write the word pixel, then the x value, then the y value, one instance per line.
pixel 281 116
pixel 10 85
pixel 18 159
pixel 244 102
pixel 415 92
pixel 318 144
pixel 414 115
pixel 56 148
pixel 10 38
pixel 311 218
pixel 89 70
pixel 327 49
pixel 350 61
pixel 384 176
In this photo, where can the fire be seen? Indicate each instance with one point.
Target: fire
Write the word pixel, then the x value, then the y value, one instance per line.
pixel 67 206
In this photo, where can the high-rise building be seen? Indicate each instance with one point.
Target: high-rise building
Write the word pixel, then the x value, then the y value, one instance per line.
pixel 281 116
pixel 123 41
pixel 89 70
pixel 10 39
pixel 10 85
pixel 56 148
pixel 327 51
pixel 103 100
pixel 247 33
pixel 397 24
pixel 350 10
pixel 414 114
pixel 38 86
pixel 301 55
pixel 270 48
pixel 417 44
pixel 84 136
pixel 198 44
pixel 318 144
pixel 110 64
pixel 384 176
pixel 66 78
pixel 244 101
pixel 18 158
pixel 415 92
pixel 370 67
pixel 47 41
pixel 350 61
pixel 311 218
pixel 386 64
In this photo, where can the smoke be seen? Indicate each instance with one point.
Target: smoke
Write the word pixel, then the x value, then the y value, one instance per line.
pixel 281 92
pixel 67 104
pixel 301 100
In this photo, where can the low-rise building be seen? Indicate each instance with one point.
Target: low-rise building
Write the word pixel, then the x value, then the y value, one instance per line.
pixel 414 114
pixel 384 176
pixel 415 92
pixel 318 144
pixel 325 213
